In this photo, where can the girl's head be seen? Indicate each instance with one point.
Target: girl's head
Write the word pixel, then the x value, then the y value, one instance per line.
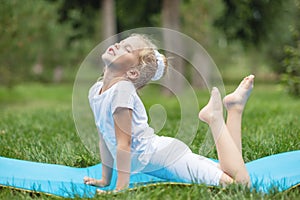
pixel 136 59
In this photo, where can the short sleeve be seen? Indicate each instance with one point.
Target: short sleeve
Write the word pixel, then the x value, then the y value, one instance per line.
pixel 94 90
pixel 123 96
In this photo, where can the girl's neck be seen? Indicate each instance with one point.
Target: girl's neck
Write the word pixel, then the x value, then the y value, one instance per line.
pixel 109 80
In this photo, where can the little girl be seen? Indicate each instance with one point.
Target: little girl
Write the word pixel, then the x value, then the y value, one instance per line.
pixel 128 143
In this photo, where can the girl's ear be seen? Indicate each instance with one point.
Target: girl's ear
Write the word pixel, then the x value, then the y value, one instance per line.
pixel 133 73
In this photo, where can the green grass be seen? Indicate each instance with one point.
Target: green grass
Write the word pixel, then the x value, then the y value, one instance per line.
pixel 36 124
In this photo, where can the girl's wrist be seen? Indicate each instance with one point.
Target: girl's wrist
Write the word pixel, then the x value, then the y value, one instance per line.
pixel 105 182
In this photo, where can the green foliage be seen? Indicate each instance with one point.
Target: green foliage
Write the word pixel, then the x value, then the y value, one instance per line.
pixel 253 21
pixel 291 78
pixel 129 14
pixel 41 36
pixel 81 15
pixel 198 18
pixel 291 62
pixel 143 13
pixel 52 33
pixel 260 24
pixel 33 36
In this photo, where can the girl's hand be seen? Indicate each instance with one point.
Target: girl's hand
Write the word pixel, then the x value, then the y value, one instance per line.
pixel 95 182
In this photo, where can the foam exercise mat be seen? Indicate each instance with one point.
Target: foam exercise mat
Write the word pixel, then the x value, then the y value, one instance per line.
pixel 279 172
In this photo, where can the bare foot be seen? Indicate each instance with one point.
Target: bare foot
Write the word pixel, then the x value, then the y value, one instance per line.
pixel 214 108
pixel 94 182
pixel 237 100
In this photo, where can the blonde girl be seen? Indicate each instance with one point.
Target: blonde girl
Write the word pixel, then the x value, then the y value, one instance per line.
pixel 128 144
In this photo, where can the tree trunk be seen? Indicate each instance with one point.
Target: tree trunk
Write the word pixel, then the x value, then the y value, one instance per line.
pixel 171 14
pixel 171 20
pixel 108 18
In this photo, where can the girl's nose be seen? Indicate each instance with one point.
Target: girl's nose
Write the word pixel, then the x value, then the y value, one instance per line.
pixel 117 45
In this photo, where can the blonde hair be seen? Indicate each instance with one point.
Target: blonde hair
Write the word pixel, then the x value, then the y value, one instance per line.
pixel 147 62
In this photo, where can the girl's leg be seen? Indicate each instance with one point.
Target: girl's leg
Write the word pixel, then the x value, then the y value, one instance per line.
pixel 235 103
pixel 177 163
pixel 230 157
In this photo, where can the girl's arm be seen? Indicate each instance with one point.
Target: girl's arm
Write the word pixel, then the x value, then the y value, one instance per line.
pixel 122 120
pixel 107 162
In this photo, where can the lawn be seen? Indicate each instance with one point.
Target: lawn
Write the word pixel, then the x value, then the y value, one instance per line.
pixel 36 124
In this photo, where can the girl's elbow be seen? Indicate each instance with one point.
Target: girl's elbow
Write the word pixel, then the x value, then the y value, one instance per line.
pixel 125 146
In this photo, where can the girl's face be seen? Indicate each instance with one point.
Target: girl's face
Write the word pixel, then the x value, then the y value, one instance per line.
pixel 123 55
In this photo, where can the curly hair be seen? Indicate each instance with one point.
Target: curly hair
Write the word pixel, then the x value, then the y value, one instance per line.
pixel 147 62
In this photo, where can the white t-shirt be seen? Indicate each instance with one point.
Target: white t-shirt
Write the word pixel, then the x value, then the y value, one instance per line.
pixel 160 156
pixel 123 94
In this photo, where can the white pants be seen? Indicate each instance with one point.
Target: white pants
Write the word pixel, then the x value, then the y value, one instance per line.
pixel 174 161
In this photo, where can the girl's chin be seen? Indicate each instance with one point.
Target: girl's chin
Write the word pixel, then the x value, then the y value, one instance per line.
pixel 107 59
pixel 104 56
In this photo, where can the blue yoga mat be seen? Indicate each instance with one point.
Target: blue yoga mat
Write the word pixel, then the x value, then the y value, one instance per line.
pixel 279 172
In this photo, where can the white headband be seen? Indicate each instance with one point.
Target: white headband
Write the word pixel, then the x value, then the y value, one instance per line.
pixel 160 66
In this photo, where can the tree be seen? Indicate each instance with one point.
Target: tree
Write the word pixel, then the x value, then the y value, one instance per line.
pixel 171 19
pixel 197 22
pixel 108 18
pixel 27 39
pixel 291 61
pixel 260 25
pixel 81 14
pixel 137 13
pixel 127 14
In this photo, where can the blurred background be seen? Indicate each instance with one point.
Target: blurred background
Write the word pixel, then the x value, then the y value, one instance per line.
pixel 45 41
